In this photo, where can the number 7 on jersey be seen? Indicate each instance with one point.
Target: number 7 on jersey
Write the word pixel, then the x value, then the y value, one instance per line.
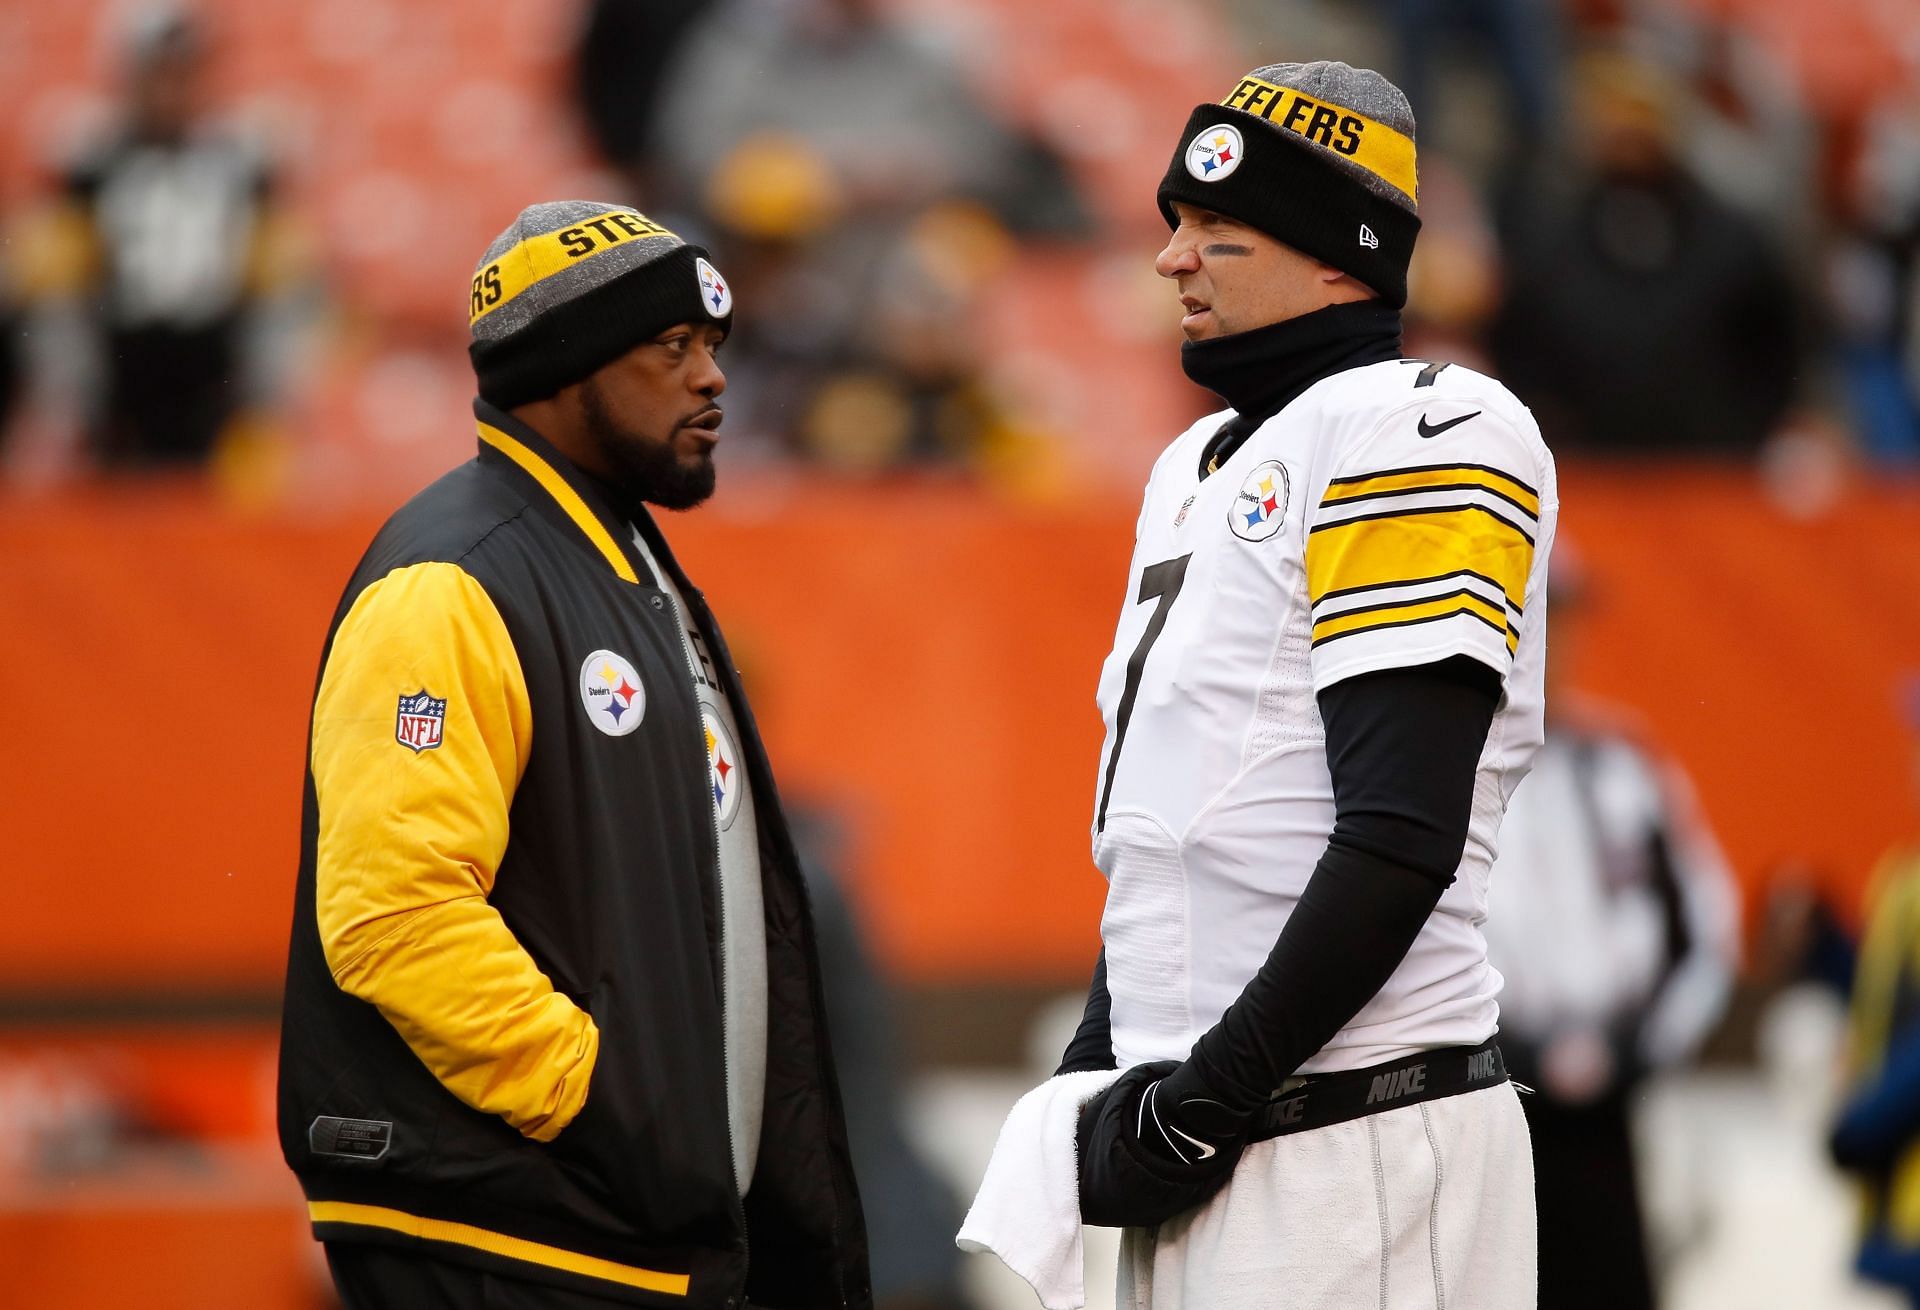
pixel 1162 581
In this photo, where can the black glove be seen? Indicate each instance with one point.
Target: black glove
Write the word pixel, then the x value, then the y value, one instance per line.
pixel 1155 1144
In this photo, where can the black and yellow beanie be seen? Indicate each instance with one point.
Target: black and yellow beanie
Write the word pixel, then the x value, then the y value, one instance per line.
pixel 571 286
pixel 1320 156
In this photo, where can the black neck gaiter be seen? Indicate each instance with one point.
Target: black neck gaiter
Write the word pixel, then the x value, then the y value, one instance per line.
pixel 1261 371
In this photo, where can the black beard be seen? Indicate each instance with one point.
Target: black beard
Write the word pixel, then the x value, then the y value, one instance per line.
pixel 644 470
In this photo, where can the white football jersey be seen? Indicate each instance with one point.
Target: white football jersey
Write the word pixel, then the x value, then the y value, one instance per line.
pixel 1392 515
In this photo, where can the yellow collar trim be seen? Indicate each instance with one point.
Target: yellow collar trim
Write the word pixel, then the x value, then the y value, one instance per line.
pixel 568 499
pixel 483 1239
pixel 1386 153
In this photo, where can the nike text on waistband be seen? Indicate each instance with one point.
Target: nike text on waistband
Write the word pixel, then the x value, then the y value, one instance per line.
pixel 1337 1097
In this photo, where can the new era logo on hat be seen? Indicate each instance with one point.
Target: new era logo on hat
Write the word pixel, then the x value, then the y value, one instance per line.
pixel 1368 239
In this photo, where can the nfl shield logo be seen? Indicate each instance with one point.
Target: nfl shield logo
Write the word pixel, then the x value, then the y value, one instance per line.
pixel 418 721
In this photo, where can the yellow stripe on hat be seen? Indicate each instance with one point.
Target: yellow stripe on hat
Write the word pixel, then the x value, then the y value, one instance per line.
pixel 1381 150
pixel 538 258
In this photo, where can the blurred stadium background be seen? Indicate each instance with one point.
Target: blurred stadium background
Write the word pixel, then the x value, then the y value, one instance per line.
pixel 1684 231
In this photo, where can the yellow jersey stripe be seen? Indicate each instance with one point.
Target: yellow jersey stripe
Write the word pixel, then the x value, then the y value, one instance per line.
pixel 1425 610
pixel 1383 151
pixel 540 257
pixel 1403 548
pixel 483 1239
pixel 1423 477
pixel 568 498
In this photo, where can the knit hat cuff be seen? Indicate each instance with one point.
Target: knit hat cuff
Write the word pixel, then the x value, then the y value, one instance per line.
pixel 578 337
pixel 1283 187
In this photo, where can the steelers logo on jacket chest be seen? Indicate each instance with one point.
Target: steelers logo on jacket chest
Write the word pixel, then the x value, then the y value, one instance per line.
pixel 611 692
pixel 1259 508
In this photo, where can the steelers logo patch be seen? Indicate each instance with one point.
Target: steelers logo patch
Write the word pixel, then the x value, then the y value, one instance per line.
pixel 724 771
pixel 1260 507
pixel 1214 153
pixel 611 691
pixel 715 294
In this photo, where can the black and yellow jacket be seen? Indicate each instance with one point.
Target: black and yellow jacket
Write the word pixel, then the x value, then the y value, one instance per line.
pixel 502 1033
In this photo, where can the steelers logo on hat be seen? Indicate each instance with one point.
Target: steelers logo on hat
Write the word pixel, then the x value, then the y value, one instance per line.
pixel 715 294
pixel 1215 152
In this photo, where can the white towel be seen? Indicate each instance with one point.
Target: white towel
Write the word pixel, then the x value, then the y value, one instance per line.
pixel 1027 1211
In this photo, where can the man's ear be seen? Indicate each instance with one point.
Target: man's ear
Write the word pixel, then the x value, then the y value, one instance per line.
pixel 1345 285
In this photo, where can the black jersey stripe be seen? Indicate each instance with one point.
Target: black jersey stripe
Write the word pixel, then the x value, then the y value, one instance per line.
pixel 1434 468
pixel 1407 601
pixel 1505 631
pixel 1421 491
pixel 1424 509
pixel 1338 592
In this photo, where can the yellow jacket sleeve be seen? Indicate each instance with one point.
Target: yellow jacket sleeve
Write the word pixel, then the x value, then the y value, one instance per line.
pixel 412 828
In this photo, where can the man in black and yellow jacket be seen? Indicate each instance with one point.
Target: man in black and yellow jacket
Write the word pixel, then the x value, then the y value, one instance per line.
pixel 553 1028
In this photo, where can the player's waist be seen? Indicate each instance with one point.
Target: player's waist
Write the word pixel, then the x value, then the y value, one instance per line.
pixel 1320 1101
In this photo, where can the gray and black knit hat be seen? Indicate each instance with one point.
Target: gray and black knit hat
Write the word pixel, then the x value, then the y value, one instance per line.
pixel 1320 156
pixel 571 286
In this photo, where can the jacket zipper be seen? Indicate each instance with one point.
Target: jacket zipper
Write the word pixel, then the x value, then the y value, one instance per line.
pixel 816 996
pixel 682 612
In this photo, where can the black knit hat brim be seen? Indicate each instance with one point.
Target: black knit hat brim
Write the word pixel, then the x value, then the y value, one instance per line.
pixel 577 339
pixel 1285 188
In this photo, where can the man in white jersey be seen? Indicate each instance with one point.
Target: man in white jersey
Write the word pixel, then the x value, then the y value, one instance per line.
pixel 1325 684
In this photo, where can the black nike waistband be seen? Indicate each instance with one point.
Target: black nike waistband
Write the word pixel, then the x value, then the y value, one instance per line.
pixel 1327 1099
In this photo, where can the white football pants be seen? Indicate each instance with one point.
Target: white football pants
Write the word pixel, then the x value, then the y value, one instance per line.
pixel 1426 1207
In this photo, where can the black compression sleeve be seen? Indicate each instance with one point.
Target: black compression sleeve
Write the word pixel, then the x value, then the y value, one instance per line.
pixel 1092 1044
pixel 1403 747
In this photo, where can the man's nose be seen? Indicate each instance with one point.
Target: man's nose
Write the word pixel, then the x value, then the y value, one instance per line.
pixel 1179 256
pixel 708 380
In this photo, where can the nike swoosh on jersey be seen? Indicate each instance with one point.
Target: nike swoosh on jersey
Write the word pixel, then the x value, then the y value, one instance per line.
pixel 1435 429
pixel 1206 1152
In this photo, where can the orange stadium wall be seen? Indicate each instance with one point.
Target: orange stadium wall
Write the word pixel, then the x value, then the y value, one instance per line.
pixel 924 661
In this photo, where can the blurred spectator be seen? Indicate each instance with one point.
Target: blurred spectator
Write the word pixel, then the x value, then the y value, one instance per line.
pixel 625 56
pixel 11 333
pixel 1521 42
pixel 1614 925
pixel 1454 279
pixel 911 1213
pixel 876 102
pixel 866 196
pixel 1750 138
pixel 1873 284
pixel 162 251
pixel 1877 1137
pixel 1642 313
